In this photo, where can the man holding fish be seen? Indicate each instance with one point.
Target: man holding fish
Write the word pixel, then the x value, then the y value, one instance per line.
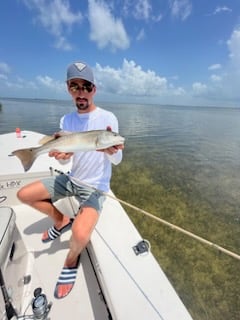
pixel 96 130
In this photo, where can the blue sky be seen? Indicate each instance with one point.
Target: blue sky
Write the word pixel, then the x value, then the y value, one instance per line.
pixel 184 52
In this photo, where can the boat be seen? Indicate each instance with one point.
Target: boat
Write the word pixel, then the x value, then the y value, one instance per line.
pixel 118 277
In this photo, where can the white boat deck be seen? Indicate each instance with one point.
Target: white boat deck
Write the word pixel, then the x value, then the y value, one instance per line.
pixel 112 282
pixel 84 301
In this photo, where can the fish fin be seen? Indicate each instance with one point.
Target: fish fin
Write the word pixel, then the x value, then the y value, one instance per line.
pixel 46 139
pixel 27 157
pixel 57 135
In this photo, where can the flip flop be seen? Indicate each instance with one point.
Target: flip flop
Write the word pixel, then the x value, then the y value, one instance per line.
pixel 54 233
pixel 67 277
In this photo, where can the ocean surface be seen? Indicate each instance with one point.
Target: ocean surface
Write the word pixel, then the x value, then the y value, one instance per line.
pixel 201 142
pixel 193 153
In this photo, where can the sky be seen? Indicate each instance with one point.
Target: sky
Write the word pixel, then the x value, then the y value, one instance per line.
pixel 177 52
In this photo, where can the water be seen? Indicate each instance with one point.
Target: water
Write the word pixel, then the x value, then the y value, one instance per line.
pixel 183 163
pixel 201 142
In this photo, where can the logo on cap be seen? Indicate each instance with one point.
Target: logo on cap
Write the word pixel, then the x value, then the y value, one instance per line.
pixel 80 66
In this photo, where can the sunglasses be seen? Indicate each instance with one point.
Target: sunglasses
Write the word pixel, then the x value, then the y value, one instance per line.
pixel 86 87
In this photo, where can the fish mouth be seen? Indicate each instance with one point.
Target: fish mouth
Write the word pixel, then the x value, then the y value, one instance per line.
pixel 121 141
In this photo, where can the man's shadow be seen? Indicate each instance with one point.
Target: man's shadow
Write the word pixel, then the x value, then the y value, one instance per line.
pixel 38 228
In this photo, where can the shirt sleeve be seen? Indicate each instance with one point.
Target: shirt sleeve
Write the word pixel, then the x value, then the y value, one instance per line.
pixel 116 158
pixel 61 123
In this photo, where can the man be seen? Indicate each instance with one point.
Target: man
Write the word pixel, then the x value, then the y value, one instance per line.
pixel 92 168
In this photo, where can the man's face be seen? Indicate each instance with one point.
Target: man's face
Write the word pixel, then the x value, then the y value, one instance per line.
pixel 82 93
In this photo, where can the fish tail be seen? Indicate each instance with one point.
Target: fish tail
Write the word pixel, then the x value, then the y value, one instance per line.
pixel 27 157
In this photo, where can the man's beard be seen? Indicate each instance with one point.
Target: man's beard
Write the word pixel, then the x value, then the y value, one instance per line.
pixel 82 104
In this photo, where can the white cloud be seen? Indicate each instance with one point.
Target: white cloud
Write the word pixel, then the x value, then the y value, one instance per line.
pixel 223 86
pixel 41 86
pixel 141 35
pixel 50 83
pixel 215 78
pixel 46 81
pixel 56 17
pixel 174 77
pixel 157 18
pixel 4 67
pixel 105 29
pixel 3 77
pixel 181 8
pixel 231 74
pixel 22 83
pixel 234 47
pixel 219 10
pixel 62 43
pixel 199 88
pixel 19 83
pixel 216 66
pixel 222 9
pixel 179 91
pixel 130 80
pixel 142 10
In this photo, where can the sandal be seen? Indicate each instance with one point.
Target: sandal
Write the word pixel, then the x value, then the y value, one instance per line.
pixel 54 233
pixel 67 277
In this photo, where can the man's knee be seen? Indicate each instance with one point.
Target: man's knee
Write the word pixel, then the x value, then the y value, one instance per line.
pixel 81 237
pixel 22 195
pixel 33 192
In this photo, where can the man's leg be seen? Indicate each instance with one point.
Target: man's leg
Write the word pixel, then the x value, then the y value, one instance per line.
pixel 82 229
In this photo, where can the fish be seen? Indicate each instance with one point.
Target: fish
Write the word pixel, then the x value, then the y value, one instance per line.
pixel 70 142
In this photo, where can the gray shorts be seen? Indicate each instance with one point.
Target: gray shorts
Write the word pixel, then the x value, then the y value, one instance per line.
pixel 61 186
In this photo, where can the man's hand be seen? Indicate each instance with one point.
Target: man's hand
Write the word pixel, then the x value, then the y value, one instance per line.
pixel 112 150
pixel 60 155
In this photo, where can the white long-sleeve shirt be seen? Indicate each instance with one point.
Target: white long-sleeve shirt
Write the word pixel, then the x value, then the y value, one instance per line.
pixel 94 167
